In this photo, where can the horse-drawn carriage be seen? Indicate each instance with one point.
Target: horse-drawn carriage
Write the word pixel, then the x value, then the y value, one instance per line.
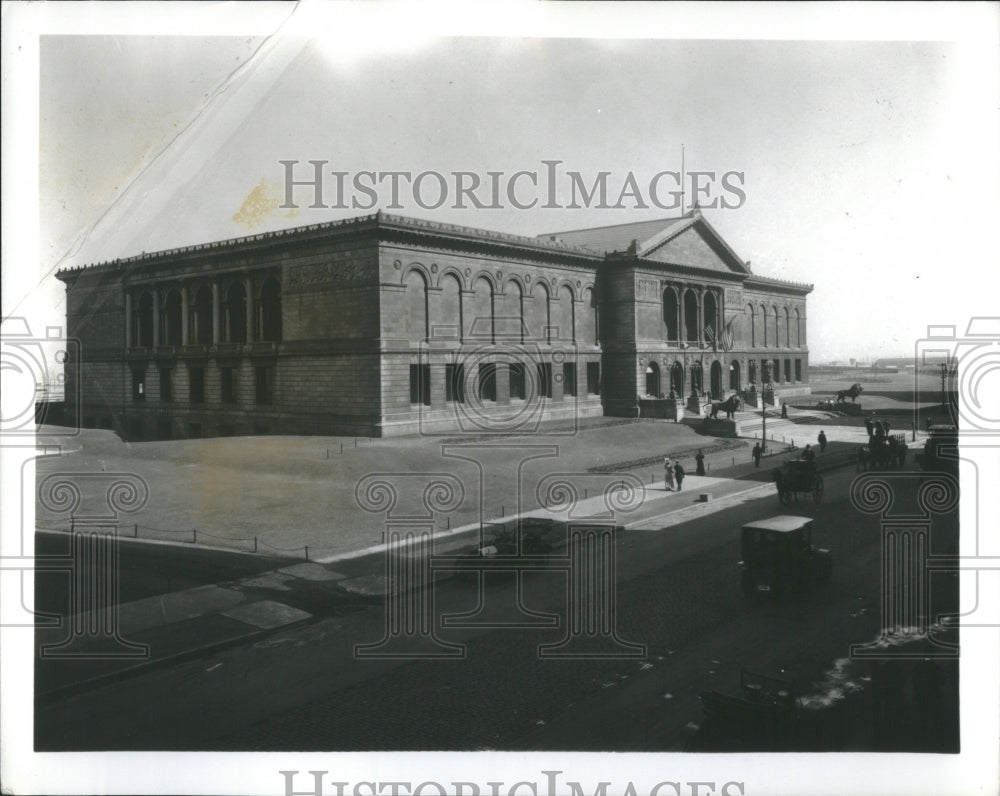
pixel 881 453
pixel 798 476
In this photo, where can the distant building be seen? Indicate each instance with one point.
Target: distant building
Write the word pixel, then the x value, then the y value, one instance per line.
pixel 385 325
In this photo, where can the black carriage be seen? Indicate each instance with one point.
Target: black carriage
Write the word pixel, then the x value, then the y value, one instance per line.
pixel 798 476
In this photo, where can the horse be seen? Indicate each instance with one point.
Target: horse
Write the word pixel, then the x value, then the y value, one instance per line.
pixel 730 406
pixel 853 392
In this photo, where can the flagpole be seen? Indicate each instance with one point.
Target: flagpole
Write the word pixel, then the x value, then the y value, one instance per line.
pixel 683 191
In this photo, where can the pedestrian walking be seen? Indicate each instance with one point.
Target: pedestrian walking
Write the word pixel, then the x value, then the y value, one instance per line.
pixel 756 455
pixel 822 441
pixel 869 426
pixel 668 474
pixel 699 464
pixel 679 475
pixel 885 426
pixel 784 411
pixel 879 429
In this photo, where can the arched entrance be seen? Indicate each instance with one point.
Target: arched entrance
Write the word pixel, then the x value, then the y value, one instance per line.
pixel 716 380
pixel 653 379
pixel 696 377
pixel 734 376
pixel 677 379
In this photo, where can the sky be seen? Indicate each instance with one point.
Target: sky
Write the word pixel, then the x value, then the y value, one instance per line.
pixel 869 167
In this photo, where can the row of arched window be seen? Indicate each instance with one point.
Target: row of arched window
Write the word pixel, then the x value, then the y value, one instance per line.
pixel 232 322
pixel 690 315
pixel 772 327
pixel 543 314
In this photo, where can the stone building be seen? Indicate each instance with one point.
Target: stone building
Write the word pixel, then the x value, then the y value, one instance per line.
pixel 384 325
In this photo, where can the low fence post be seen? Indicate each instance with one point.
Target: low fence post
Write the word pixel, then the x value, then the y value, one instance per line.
pixel 255 544
pixel 307 552
pixel 194 536
pixel 135 531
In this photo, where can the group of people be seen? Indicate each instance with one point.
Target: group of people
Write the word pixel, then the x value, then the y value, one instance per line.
pixel 673 472
pixel 808 453
pixel 880 428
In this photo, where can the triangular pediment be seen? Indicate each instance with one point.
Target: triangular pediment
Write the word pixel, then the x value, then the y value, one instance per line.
pixel 697 245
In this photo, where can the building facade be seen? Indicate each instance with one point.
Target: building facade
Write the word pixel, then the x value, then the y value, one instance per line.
pixel 385 325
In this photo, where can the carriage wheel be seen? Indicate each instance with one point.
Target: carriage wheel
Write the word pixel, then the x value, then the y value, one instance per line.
pixel 818 489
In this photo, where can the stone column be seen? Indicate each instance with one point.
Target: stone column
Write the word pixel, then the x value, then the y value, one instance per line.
pixel 184 315
pixel 215 313
pixel 701 318
pixel 248 286
pixel 128 320
pixel 156 317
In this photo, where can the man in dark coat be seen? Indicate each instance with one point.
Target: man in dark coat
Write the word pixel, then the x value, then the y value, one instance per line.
pixel 756 453
pixel 678 475
pixel 822 441
pixel 869 426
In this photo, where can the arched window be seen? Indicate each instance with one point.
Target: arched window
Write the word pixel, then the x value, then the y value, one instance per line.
pixel 692 333
pixel 788 329
pixel 510 316
pixel 711 330
pixel 415 307
pixel 235 312
pixel 269 311
pixel 734 375
pixel 171 319
pixel 144 321
pixel 752 371
pixel 653 379
pixel 201 316
pixel 777 340
pixel 449 325
pixel 588 318
pixel 763 324
pixel 671 314
pixel 538 317
pixel 481 320
pixel 565 312
pixel 751 331
pixel 798 328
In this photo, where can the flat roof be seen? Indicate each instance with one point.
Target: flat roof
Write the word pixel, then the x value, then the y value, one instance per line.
pixel 783 523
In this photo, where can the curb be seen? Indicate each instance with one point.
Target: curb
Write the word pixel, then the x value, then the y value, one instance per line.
pixel 82 686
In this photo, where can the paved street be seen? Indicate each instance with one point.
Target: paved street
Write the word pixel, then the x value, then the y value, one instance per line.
pixel 678 594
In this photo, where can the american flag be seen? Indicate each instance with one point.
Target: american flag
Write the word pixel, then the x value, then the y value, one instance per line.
pixel 726 339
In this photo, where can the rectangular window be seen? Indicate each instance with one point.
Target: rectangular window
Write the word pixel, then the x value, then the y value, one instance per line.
pixel 798 370
pixel 166 384
pixel 138 385
pixel 593 378
pixel 788 369
pixel 454 383
pixel 420 384
pixel 569 378
pixel 264 385
pixel 197 385
pixel 544 379
pixel 194 430
pixel 228 385
pixel 488 381
pixel 517 381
